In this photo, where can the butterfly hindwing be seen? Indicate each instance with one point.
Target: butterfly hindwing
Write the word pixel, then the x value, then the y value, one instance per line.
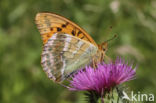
pixel 49 23
pixel 64 53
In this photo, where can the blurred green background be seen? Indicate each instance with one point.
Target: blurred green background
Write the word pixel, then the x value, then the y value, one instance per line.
pixel 22 79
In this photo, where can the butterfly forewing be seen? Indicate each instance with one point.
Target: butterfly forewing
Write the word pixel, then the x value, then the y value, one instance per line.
pixel 49 23
pixel 64 53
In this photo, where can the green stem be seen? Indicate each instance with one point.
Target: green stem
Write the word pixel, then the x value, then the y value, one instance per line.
pixel 102 95
pixel 102 100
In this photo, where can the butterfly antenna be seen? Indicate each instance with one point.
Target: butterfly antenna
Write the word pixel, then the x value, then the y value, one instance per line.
pixel 111 38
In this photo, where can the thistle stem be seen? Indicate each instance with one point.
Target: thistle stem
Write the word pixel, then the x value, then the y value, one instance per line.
pixel 102 96
pixel 118 95
pixel 102 100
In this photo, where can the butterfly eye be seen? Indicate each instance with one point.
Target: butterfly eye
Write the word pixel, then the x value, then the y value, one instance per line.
pixel 103 49
pixel 104 46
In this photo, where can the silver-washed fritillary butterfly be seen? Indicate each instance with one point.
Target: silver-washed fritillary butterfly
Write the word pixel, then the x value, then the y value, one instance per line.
pixel 66 46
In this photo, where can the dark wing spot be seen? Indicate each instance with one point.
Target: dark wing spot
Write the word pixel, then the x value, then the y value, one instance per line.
pixel 73 32
pixel 79 33
pixel 82 37
pixel 59 29
pixel 51 29
pixel 63 25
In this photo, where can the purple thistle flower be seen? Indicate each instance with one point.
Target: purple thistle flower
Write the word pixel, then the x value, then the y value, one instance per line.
pixel 104 78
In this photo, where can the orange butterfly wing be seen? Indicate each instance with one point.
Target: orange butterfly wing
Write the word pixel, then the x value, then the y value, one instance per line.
pixel 49 23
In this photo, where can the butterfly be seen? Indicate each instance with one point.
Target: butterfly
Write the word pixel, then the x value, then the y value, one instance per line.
pixel 66 46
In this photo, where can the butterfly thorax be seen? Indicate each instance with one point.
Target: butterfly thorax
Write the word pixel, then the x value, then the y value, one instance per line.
pixel 99 57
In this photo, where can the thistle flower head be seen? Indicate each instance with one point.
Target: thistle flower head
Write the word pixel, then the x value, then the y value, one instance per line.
pixel 104 78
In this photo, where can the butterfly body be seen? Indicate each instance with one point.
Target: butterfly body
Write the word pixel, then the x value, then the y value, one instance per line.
pixel 66 46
